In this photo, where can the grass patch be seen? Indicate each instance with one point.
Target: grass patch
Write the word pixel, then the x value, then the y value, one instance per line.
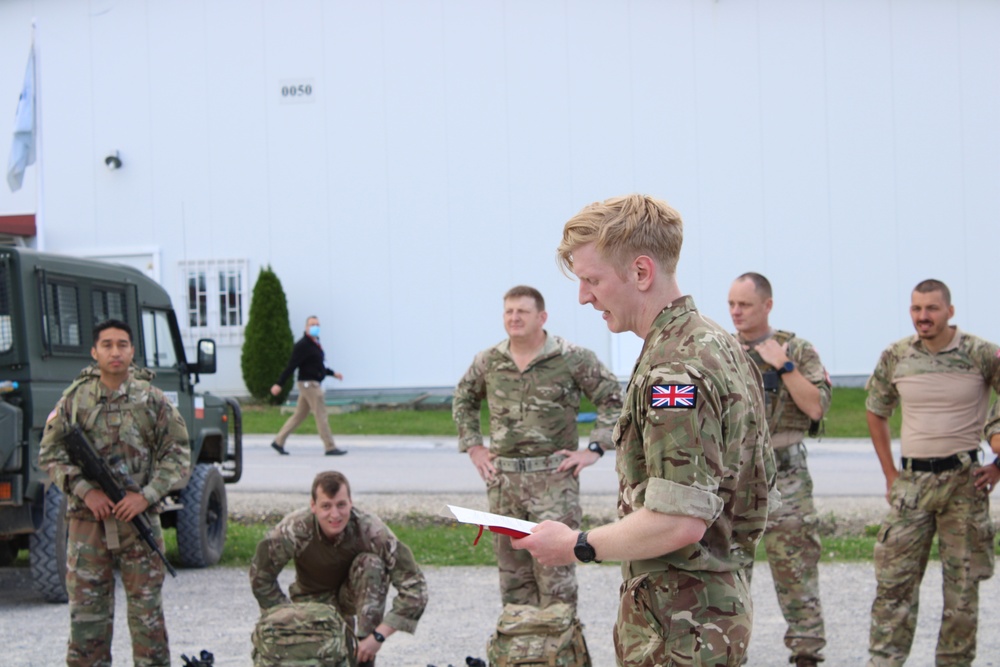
pixel 450 544
pixel 846 419
pixel 447 544
pixel 444 544
pixel 268 419
pixel 431 543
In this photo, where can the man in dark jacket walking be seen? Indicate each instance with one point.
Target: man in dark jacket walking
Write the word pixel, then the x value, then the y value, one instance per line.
pixel 307 357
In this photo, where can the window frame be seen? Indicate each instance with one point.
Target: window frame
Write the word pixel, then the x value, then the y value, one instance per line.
pixel 218 275
pixel 45 280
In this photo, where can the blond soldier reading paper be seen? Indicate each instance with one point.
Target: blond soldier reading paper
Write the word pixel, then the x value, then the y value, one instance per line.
pixel 532 383
pixel 345 560
pixel 797 393
pixel 942 378
pixel 694 464
pixel 143 438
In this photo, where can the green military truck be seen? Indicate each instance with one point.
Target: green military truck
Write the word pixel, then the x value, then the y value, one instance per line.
pixel 48 307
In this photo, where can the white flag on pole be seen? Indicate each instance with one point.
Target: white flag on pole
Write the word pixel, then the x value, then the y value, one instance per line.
pixel 22 150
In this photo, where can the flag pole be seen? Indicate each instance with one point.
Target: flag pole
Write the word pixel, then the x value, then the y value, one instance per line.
pixel 40 168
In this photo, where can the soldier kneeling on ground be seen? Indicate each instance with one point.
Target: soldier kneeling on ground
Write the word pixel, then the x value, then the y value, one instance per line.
pixel 344 561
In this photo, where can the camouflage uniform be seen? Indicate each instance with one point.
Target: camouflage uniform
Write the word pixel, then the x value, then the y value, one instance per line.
pixel 352 572
pixel 925 503
pixel 691 442
pixel 792 536
pixel 134 427
pixel 532 416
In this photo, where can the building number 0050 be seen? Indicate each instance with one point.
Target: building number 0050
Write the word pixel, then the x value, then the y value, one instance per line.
pixel 301 90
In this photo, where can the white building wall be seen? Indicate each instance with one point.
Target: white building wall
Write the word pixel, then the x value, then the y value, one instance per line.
pixel 844 149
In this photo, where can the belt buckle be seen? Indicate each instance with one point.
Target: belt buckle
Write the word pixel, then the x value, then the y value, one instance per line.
pixel 522 465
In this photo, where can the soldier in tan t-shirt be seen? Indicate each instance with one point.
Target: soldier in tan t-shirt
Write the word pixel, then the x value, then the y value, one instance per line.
pixel 942 378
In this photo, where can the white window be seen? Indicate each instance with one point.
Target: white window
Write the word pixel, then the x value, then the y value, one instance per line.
pixel 215 300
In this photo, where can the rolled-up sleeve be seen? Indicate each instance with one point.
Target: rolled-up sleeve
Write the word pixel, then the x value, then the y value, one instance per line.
pixel 882 395
pixel 682 431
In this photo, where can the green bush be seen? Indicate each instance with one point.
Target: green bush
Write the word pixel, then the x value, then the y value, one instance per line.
pixel 267 339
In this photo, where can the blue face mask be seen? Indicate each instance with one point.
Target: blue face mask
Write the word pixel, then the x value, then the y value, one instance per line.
pixel 314 331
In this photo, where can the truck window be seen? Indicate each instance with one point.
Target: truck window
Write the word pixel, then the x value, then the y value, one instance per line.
pixel 6 330
pixel 160 352
pixel 108 304
pixel 61 320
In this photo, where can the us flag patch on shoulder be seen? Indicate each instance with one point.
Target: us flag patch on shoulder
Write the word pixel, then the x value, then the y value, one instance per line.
pixel 673 396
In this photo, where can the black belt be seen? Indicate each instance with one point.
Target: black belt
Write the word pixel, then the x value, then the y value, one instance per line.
pixel 938 465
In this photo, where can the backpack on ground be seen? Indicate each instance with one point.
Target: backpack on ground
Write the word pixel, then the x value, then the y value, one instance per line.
pixel 528 636
pixel 302 634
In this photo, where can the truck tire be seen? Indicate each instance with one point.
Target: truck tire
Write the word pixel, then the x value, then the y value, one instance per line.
pixel 47 549
pixel 201 523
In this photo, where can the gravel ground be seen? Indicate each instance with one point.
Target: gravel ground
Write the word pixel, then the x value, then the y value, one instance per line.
pixel 213 609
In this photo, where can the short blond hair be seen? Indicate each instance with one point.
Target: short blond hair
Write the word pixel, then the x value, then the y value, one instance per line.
pixel 622 228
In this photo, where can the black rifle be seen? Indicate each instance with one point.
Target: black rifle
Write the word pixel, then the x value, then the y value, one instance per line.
pixel 206 659
pixel 96 470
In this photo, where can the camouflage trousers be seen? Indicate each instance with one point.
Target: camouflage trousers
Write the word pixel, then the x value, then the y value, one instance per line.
pixel 922 504
pixel 534 496
pixel 674 618
pixel 361 599
pixel 90 583
pixel 793 548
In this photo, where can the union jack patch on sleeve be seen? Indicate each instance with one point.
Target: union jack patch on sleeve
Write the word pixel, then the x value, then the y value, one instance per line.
pixel 673 396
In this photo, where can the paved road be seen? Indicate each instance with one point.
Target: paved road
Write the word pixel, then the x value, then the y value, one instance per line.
pixel 407 464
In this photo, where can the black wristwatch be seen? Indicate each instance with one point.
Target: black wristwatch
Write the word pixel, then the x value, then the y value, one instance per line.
pixel 787 367
pixel 996 462
pixel 379 637
pixel 583 551
pixel 596 448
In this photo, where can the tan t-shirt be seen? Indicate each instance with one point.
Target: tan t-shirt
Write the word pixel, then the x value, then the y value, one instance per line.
pixel 944 396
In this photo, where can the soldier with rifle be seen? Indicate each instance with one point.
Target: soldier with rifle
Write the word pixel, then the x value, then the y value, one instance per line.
pixel 143 442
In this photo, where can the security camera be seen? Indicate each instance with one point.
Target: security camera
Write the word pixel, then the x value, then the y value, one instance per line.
pixel 113 161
